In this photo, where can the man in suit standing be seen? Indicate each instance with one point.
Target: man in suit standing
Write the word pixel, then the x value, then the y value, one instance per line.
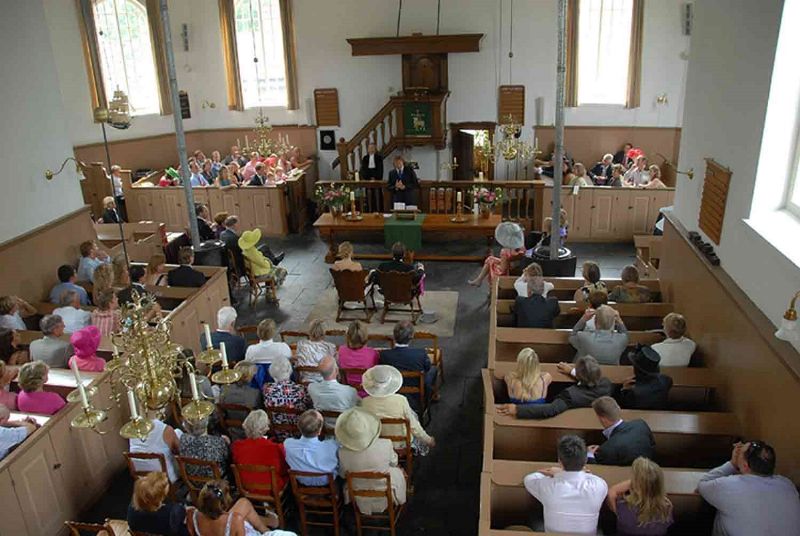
pixel 184 275
pixel 535 311
pixel 203 227
pixel 372 164
pixel 404 358
pixel 403 183
pixel 625 441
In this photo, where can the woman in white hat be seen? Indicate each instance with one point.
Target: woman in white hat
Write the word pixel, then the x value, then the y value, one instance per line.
pixel 260 265
pixel 511 238
pixel 362 450
pixel 381 383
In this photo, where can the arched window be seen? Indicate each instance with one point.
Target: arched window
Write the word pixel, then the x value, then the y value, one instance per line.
pixel 124 46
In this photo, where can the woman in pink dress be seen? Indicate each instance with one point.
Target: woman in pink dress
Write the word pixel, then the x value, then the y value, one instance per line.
pixel 512 241
pixel 33 398
pixel 85 342
pixel 355 354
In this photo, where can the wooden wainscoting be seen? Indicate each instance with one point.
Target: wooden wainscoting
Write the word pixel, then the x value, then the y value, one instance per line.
pixel 758 375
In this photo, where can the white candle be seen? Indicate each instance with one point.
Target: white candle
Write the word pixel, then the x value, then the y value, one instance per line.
pixel 81 390
pixel 208 336
pixel 480 175
pixel 132 405
pixel 458 197
pixel 193 385
pixel 116 351
pixel 238 144
pixel 352 196
pixel 356 176
pixel 246 143
pixel 224 355
pixel 454 160
pixel 536 142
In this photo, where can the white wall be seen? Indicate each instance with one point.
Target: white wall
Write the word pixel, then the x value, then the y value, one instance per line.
pixel 33 129
pixel 364 83
pixel 727 88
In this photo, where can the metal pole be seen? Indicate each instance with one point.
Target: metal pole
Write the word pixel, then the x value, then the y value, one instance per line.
pixel 561 70
pixel 108 153
pixel 179 135
pixel 113 193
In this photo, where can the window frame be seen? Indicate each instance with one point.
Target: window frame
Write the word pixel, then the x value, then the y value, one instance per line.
pixel 793 181
pixel 93 63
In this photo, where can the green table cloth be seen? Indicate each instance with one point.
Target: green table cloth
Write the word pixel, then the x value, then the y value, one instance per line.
pixel 409 232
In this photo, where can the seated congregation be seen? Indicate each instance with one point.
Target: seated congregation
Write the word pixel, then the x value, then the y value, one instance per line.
pixel 611 427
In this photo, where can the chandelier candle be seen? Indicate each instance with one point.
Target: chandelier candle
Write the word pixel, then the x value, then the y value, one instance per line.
pixel 193 384
pixel 81 389
pixel 224 356
pixel 132 405
pixel 208 337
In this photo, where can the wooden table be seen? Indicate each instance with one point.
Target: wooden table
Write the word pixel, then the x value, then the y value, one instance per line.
pixel 329 227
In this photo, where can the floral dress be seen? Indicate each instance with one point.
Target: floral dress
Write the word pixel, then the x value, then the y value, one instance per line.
pixel 205 447
pixel 500 265
pixel 286 394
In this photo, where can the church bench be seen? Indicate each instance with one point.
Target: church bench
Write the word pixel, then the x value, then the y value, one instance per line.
pixel 683 439
pixel 105 349
pixel 505 502
pixel 62 381
pixel 692 388
pixel 637 316
pixel 648 254
pixel 564 287
pixel 41 420
pixel 551 345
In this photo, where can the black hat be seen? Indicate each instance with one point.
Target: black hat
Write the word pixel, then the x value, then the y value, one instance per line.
pixel 645 359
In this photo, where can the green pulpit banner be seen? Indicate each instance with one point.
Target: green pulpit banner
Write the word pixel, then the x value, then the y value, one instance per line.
pixel 417 119
pixel 409 232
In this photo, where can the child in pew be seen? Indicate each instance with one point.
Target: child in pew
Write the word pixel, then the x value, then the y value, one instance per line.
pixel 648 389
pixel 591 283
pixel 534 269
pixel 85 342
pixel 630 291
pixel 590 385
pixel 596 299
pixel 641 504
pixel 33 398
pixel 676 350
pixel 107 315
pixel 527 384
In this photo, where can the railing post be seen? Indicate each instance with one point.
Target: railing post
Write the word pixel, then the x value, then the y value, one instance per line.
pixel 344 164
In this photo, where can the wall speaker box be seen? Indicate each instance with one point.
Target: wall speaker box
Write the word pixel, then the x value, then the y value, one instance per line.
pixel 327 140
pixel 687 17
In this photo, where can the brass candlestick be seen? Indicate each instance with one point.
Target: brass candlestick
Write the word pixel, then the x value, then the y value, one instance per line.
pixel 459 217
pixel 353 216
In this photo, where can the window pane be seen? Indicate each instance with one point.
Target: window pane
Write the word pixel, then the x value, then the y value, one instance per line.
pixel 604 39
pixel 259 43
pixel 126 53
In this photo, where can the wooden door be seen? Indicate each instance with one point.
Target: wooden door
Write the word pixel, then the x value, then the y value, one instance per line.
pixel 139 206
pixel 463 143
pixel 581 216
pixel 602 226
pixel 81 466
pixel 13 516
pixel 40 489
pixel 175 210
pixel 623 215
pixel 262 210
pixel 229 202
pixel 640 208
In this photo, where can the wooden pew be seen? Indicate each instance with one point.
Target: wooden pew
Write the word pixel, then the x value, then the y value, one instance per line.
pixel 505 501
pixel 105 349
pixel 692 388
pixel 564 287
pixel 648 254
pixel 683 439
pixel 62 381
pixel 637 316
pixel 551 345
pixel 41 420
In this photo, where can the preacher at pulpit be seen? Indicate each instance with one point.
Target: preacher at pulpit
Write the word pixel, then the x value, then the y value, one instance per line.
pixel 403 183
pixel 372 165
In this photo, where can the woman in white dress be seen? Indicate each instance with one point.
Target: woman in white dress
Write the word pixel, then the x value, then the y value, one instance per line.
pixel 310 352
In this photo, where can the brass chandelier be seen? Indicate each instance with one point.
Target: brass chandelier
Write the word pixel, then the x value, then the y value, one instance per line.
pixel 263 144
pixel 510 146
pixel 147 366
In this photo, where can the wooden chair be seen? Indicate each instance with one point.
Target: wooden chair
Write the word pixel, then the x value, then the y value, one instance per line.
pixel 434 351
pixel 317 501
pixel 107 528
pixel 302 371
pixel 287 335
pixel 250 334
pixel 234 272
pixel 350 287
pixel 328 414
pixel 416 389
pixel 398 288
pixel 262 495
pixel 288 429
pixel 132 457
pixel 383 490
pixel 231 418
pixel 404 453
pixel 195 482
pixel 344 372
pixel 264 284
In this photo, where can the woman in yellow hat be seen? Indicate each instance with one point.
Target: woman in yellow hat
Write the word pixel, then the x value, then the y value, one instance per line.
pixel 260 265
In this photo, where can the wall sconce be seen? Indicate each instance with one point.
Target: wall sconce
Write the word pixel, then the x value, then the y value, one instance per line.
pixel 689 172
pixel 662 99
pixel 208 104
pixel 49 173
pixel 788 330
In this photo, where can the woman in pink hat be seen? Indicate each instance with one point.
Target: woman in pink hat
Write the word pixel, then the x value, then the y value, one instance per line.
pixel 86 341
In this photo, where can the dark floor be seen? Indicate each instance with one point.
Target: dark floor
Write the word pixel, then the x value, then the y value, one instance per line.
pixel 447 482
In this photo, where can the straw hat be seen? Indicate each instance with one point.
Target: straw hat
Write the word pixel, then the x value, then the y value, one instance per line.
pixel 357 429
pixel 381 381
pixel 85 341
pixel 250 239
pixel 509 235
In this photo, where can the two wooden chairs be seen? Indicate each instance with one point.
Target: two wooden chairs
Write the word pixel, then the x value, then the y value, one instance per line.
pixel 400 293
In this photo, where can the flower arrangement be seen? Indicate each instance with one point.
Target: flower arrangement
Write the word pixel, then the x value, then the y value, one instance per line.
pixel 332 196
pixel 486 196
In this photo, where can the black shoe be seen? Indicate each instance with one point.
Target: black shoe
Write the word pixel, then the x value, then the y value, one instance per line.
pixel 276 260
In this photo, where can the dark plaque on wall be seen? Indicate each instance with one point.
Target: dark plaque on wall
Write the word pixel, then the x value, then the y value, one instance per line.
pixel 327 140
pixel 186 112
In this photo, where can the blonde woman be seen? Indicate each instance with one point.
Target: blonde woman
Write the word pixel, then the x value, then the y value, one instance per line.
pixel 641 503
pixel 150 511
pixel 580 178
pixel 527 384
pixel 311 351
pixel 346 261
pixel 155 273
pixel 655 178
pixel 534 269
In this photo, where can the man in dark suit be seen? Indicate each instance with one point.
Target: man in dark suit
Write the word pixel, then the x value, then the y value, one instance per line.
pixel 535 311
pixel 235 345
pixel 621 157
pixel 136 273
pixel 403 183
pixel 372 165
pixel 601 173
pixel 203 227
pixel 648 389
pixel 231 238
pixel 184 275
pixel 397 264
pixel 404 358
pixel 110 214
pixel 625 440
